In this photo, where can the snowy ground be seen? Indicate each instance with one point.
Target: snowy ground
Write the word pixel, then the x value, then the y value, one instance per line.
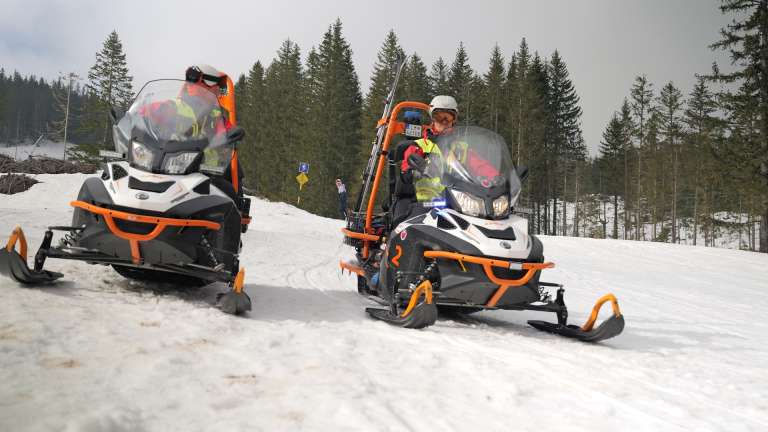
pixel 98 353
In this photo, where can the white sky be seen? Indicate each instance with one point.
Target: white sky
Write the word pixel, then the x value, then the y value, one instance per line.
pixel 605 43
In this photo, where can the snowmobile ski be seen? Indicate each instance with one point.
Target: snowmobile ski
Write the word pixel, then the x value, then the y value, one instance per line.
pixel 235 301
pixel 609 328
pixel 418 314
pixel 13 264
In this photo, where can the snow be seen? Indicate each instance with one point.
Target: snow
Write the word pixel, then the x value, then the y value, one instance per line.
pixel 100 353
pixel 43 148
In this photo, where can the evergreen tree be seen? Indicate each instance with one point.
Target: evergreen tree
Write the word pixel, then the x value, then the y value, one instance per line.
pixel 642 96
pixel 416 84
pixel 284 120
pixel 701 123
pixel 493 106
pixel 670 106
pixel 612 153
pixel 746 40
pixel 381 78
pixel 438 78
pixel 461 85
pixel 565 121
pixel 334 111
pixel 109 85
pixel 249 114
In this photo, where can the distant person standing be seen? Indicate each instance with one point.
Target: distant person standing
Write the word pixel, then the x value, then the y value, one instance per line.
pixel 342 198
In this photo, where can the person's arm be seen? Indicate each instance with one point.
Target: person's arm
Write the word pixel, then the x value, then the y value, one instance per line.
pixel 413 148
pixel 481 167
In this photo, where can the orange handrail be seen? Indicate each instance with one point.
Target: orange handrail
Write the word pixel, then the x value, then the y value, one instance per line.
pixel 393 127
pixel 488 263
pixel 360 236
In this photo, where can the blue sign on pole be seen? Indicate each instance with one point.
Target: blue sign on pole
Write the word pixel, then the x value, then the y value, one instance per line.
pixel 304 167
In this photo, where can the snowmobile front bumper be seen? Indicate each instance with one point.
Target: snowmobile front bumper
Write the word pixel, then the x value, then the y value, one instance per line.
pixel 587 332
pixel 161 223
pixel 530 269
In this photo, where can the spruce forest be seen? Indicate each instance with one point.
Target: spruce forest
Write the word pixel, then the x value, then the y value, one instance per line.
pixel 670 164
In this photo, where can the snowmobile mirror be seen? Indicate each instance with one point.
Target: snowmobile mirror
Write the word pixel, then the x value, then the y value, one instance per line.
pixel 235 134
pixel 522 172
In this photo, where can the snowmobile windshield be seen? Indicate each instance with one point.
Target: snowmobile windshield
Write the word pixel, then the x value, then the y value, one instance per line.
pixel 472 169
pixel 188 115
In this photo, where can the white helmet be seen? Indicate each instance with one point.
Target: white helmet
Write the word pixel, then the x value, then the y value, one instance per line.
pixel 445 103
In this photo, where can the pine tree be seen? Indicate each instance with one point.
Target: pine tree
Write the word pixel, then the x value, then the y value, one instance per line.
pixel 438 78
pixel 642 96
pixel 109 85
pixel 416 84
pixel 250 106
pixel 334 111
pixel 612 153
pixel 381 78
pixel 565 121
pixel 283 122
pixel 670 106
pixel 701 123
pixel 746 40
pixel 461 85
pixel 493 107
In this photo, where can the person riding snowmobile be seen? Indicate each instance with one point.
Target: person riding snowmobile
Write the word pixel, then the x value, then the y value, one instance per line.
pixel 444 112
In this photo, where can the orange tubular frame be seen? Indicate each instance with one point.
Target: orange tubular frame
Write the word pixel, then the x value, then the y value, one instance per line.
pixel 488 264
pixel 351 268
pixel 18 235
pixel 596 309
pixel 393 127
pixel 134 239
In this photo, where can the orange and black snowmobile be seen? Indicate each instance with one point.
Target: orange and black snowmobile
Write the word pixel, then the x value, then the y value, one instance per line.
pixel 169 204
pixel 450 241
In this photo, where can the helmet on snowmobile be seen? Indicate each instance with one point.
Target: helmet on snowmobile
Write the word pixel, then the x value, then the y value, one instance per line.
pixel 206 75
pixel 443 103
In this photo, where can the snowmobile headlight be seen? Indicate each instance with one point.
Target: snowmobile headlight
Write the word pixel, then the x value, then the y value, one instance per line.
pixel 142 156
pixel 468 204
pixel 178 163
pixel 501 206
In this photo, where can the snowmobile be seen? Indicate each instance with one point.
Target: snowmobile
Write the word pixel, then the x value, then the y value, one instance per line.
pixel 461 250
pixel 168 206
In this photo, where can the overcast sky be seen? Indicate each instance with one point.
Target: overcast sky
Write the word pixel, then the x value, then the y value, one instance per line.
pixel 605 43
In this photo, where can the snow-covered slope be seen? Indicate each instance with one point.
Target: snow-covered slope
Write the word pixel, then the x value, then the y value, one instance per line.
pixel 99 353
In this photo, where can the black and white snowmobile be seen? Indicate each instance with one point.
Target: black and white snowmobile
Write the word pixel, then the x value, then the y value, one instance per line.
pixel 449 240
pixel 168 207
